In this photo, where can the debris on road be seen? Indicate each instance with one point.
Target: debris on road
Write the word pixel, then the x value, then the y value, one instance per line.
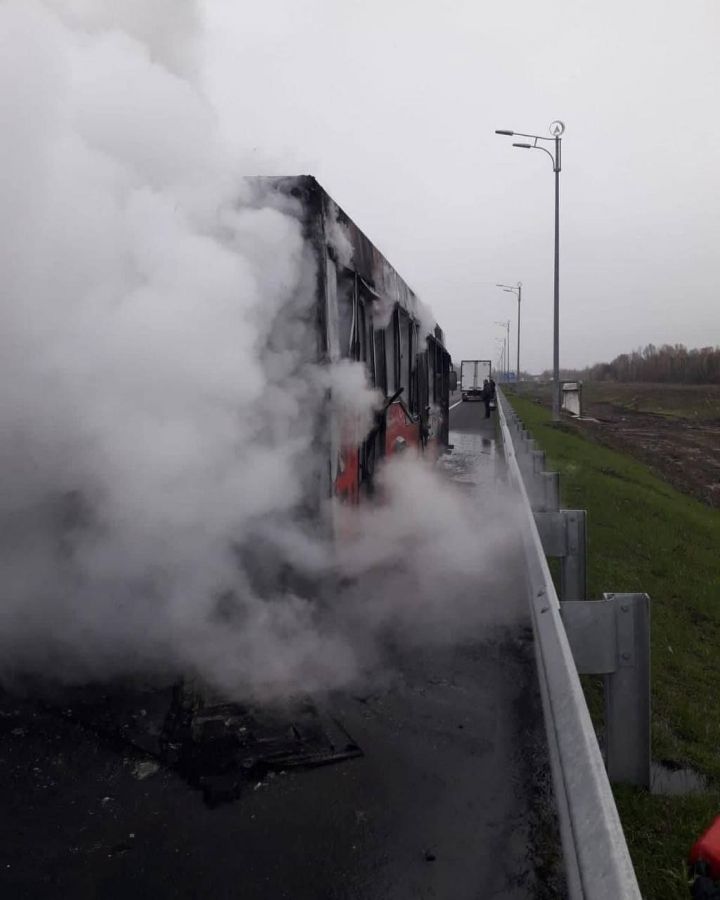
pixel 217 746
pixel 144 769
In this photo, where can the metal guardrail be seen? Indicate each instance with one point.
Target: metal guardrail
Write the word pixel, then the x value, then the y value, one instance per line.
pixel 597 861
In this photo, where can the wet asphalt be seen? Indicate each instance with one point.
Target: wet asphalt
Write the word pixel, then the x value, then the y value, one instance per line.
pixel 449 801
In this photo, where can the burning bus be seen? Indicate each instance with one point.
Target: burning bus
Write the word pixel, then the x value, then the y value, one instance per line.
pixel 368 314
pixel 213 573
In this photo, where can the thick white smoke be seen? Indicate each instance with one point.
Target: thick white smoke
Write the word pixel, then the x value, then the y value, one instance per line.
pixel 156 410
pixel 167 29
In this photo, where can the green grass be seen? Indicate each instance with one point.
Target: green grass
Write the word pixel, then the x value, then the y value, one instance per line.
pixel 643 535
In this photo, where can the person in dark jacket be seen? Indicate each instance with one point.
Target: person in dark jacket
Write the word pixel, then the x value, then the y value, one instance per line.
pixel 487 395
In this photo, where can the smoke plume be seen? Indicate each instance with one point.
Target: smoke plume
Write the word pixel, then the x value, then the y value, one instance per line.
pixel 157 408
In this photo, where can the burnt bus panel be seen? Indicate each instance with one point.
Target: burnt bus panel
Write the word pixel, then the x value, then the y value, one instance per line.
pixel 371 265
pixel 366 312
pixel 317 209
pixel 302 197
pixel 335 315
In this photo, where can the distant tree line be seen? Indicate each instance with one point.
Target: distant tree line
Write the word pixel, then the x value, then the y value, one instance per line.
pixel 669 363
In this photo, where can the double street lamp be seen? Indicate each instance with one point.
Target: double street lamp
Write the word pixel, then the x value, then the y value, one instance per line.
pixel 556 130
pixel 515 290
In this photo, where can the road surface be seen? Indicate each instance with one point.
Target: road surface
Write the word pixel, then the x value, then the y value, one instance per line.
pixel 450 799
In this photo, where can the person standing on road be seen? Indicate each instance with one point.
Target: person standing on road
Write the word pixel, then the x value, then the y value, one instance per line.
pixel 487 393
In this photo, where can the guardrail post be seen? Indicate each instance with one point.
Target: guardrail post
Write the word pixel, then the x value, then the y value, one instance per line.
pixel 611 637
pixel 551 490
pixel 573 568
pixel 538 457
pixel 627 693
pixel 563 536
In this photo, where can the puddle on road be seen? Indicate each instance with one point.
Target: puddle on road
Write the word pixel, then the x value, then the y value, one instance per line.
pixel 473 460
pixel 674 781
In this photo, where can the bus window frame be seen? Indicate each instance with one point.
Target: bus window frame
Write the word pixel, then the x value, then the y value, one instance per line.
pixel 404 362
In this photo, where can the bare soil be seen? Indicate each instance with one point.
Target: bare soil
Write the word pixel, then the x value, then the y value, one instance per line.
pixel 686 454
pixel 674 429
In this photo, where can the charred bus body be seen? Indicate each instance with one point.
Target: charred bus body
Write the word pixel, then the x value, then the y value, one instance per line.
pixel 351 305
pixel 368 314
pixel 360 310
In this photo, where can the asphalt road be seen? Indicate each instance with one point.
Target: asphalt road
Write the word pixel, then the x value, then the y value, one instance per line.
pixel 449 801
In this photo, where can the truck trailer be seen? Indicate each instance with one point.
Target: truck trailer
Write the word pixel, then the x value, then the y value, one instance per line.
pixel 473 374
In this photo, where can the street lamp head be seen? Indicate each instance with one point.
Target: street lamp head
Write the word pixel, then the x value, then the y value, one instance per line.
pixel 524 146
pixel 508 133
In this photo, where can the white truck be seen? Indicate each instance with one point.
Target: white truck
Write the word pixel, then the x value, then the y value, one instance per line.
pixel 473 373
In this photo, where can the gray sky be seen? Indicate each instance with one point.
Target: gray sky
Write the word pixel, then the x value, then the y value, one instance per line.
pixel 392 105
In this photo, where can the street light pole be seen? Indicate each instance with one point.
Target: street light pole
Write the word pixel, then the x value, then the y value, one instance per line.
pixel 507 352
pixel 517 375
pixel 508 356
pixel 506 326
pixel 556 291
pixel 499 345
pixel 518 291
pixel 556 130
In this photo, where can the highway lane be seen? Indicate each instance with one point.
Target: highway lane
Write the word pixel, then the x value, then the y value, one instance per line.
pixel 450 799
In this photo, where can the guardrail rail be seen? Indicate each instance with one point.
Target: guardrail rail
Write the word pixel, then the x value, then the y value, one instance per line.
pixel 596 857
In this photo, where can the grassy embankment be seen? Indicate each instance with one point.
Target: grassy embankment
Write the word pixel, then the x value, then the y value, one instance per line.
pixel 643 535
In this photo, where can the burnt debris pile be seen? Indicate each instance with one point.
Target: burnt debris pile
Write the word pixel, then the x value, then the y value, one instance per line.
pixel 216 746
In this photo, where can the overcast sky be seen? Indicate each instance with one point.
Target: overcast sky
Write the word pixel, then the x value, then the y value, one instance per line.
pixel 392 105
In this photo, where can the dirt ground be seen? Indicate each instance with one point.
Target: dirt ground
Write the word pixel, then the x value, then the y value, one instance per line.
pixel 674 429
